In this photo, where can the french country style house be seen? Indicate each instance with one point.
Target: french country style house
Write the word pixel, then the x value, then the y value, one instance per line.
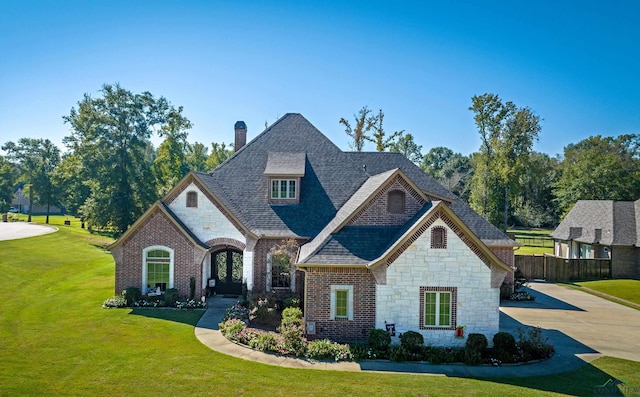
pixel 376 242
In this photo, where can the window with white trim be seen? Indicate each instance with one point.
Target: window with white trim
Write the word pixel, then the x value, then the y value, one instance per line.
pixel 283 189
pixel 341 302
pixel 157 269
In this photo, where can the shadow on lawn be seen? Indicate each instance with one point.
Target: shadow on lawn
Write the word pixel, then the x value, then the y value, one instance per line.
pixel 542 301
pixel 189 317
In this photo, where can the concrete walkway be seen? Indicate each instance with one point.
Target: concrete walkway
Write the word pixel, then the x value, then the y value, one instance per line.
pixel 16 230
pixel 582 327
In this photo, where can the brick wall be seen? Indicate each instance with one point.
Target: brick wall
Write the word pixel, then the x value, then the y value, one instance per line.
pixel 262 248
pixel 376 214
pixel 158 230
pixel 317 309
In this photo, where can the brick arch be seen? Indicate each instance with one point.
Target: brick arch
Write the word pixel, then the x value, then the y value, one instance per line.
pixel 225 241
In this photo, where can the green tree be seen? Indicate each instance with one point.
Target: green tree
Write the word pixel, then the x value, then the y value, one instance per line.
pixel 220 152
pixel 451 169
pixel 196 157
pixel 111 137
pixel 74 189
pixel 358 134
pixel 171 165
pixel 407 146
pixel 36 159
pixel 7 182
pixel 599 168
pixel 507 134
pixel 534 206
pixel 379 135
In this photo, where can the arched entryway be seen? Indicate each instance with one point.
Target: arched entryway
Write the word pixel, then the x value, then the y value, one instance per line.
pixel 226 268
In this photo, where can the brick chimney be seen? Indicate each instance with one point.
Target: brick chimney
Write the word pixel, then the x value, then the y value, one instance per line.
pixel 241 135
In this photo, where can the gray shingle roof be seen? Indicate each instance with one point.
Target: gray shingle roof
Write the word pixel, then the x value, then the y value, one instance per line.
pixel 331 178
pixel 285 164
pixel 605 222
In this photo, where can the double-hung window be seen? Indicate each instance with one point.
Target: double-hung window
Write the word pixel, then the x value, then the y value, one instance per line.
pixel 341 302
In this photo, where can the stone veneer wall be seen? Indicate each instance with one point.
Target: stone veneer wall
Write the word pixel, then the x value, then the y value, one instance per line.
pixel 318 285
pixel 205 221
pixel 158 230
pixel 456 266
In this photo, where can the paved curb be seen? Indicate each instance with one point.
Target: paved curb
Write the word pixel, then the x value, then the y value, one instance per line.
pixel 208 333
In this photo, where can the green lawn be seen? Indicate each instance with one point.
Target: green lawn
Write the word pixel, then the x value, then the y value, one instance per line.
pixel 55 339
pixel 628 290
pixel 533 241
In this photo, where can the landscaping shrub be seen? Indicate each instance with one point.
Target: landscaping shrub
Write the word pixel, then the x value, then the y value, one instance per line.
pixel 131 294
pixel 412 341
pixel 504 347
pixel 116 301
pixel 398 353
pixel 361 352
pixel 292 331
pixel 321 349
pixel 171 296
pixel 471 357
pixel 532 346
pixel 379 340
pixel 264 310
pixel 477 342
pixel 439 355
pixel 266 342
pixel 247 335
pixel 291 301
pixel 192 287
pixel 237 311
pixel 231 328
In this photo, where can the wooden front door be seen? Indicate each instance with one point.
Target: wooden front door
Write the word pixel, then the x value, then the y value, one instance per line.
pixel 226 268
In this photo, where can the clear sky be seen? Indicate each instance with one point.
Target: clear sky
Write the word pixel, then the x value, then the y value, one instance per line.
pixel 575 63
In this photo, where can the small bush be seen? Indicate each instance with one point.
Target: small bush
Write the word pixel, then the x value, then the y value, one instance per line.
pixel 532 346
pixel 412 341
pixel 237 311
pixel 292 331
pixel 360 352
pixel 471 357
pixel 116 301
pixel 291 315
pixel 266 342
pixel 504 347
pixel 291 301
pixel 477 343
pixel 379 340
pixel 321 349
pixel 398 354
pixel 231 328
pixel 171 296
pixel 131 294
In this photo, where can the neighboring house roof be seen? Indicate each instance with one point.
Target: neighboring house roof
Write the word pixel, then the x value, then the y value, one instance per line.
pixel 605 222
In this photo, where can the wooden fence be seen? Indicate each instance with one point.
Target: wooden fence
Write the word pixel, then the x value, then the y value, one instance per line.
pixel 554 269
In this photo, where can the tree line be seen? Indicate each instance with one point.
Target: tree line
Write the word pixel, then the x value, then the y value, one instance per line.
pixel 111 172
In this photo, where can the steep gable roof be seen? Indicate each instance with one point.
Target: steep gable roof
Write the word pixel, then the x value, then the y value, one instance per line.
pixel 605 222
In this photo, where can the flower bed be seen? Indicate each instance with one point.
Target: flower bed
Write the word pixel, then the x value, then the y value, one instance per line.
pixel 290 341
pixel 131 298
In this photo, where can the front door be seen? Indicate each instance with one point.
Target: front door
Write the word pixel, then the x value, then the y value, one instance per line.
pixel 226 268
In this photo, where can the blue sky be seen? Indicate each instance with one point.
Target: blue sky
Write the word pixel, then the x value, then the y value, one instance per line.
pixel 575 63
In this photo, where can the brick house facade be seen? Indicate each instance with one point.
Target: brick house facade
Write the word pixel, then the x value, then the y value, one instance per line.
pixel 380 242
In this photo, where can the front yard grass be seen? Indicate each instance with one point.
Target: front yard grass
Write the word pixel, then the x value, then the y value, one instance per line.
pixel 57 340
pixel 533 241
pixel 627 290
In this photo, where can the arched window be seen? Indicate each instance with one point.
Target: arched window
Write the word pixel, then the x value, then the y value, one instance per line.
pixel 438 237
pixel 157 269
pixel 192 199
pixel 395 202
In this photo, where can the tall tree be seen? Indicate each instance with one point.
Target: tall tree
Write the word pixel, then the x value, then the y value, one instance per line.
pixel 7 181
pixel 74 189
pixel 599 168
pixel 48 190
pixel 407 146
pixel 507 134
pixel 171 162
pixel 220 152
pixel 378 136
pixel 36 159
pixel 451 169
pixel 358 134
pixel 534 206
pixel 196 157
pixel 110 135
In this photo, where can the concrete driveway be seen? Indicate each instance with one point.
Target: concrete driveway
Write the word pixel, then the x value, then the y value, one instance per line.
pixel 606 328
pixel 16 230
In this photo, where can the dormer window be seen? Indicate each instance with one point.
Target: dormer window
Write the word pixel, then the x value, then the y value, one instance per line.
pixel 283 189
pixel 284 172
